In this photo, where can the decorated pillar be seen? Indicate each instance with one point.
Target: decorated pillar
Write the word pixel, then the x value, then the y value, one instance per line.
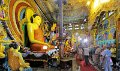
pixel 61 25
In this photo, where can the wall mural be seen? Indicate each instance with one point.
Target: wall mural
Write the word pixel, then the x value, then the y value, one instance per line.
pixel 106 31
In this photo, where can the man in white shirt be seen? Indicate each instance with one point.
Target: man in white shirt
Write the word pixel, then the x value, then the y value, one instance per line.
pixel 86 55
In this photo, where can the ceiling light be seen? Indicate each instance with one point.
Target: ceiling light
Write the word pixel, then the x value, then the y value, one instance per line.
pixel 110 13
pixel 104 1
pixel 70 24
pixel 76 28
pixel 76 25
pixel 88 3
pixel 85 40
pixel 96 3
pixel 70 28
pixel 85 20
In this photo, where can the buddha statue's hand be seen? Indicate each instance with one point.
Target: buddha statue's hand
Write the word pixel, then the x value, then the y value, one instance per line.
pixel 52 47
pixel 48 45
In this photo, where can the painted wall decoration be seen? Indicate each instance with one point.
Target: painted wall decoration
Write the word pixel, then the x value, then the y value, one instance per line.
pixel 113 32
pixel 106 23
pixel 106 31
pixel 112 21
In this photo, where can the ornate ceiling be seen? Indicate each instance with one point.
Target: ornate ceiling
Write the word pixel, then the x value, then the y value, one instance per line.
pixel 74 10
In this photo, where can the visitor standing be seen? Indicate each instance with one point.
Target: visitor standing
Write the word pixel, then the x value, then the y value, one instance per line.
pixel 113 51
pixel 86 55
pixel 80 52
pixel 97 55
pixel 106 59
pixel 93 53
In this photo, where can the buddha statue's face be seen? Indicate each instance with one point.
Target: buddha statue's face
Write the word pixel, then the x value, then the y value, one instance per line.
pixel 37 20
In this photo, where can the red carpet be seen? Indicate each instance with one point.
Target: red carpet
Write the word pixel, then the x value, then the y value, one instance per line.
pixel 85 67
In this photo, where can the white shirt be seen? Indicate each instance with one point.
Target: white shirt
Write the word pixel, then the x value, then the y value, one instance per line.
pixel 86 51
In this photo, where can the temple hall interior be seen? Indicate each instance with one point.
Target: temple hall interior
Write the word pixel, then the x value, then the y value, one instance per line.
pixel 59 35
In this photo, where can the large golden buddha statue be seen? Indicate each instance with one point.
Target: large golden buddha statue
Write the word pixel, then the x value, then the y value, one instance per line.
pixel 36 35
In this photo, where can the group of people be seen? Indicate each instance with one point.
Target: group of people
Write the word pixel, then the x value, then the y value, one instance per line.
pixel 103 57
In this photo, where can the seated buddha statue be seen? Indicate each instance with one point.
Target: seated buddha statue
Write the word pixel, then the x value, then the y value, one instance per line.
pixel 36 35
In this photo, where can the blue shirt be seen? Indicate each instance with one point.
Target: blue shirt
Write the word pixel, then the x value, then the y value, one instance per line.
pixel 106 53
